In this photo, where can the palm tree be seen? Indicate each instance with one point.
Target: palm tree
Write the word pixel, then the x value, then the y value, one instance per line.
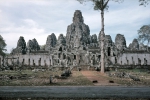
pixel 100 5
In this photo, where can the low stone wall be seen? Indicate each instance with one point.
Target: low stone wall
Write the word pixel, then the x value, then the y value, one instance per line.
pixel 31 60
pixel 133 66
pixel 125 60
pixel 132 59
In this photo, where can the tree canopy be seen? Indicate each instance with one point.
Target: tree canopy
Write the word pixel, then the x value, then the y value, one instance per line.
pixel 99 4
pixel 144 34
pixel 144 2
pixel 2 46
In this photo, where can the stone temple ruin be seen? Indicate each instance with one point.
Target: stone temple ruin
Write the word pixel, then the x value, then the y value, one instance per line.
pixel 79 49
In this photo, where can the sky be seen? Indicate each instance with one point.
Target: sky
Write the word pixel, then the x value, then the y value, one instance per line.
pixel 39 18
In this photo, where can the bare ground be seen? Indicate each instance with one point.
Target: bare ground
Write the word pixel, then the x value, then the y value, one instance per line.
pixel 97 76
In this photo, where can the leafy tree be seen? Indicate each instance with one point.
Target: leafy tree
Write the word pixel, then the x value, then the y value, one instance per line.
pixel 144 34
pixel 2 46
pixel 144 2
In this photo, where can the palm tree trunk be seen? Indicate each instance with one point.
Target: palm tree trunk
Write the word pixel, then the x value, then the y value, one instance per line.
pixel 102 43
pixel 148 46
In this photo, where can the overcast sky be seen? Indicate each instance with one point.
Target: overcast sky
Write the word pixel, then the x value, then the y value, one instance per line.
pixel 39 18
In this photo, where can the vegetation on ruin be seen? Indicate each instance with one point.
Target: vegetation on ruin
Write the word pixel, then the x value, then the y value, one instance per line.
pixel 142 74
pixel 144 34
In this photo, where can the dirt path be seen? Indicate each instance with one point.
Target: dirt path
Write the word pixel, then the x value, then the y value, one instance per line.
pixel 101 80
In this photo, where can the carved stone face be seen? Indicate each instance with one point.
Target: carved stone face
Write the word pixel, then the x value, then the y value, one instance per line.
pixel 120 42
pixel 61 39
pixel 77 16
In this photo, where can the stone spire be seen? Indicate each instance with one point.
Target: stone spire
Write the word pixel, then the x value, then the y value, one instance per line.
pixel 78 18
pixel 30 45
pixel 33 45
pixel 51 41
pixel 77 30
pixel 134 45
pixel 108 41
pixel 36 46
pixel 21 45
pixel 61 40
pixel 120 42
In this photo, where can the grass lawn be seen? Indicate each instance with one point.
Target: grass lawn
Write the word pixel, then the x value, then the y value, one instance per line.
pixel 142 74
pixel 41 78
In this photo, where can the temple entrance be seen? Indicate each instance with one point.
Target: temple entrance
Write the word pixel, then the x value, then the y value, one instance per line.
pixel 60 49
pixel 109 51
pixel 74 57
pixel 139 61
pixel 29 62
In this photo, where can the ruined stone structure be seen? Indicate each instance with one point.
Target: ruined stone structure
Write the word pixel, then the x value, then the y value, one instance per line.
pixel 21 46
pixel 79 49
pixel 33 45
pixel 78 33
pixel 120 42
pixel 51 42
pixel 134 45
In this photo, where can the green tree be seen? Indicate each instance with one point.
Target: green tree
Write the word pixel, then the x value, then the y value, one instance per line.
pixel 144 34
pixel 144 2
pixel 2 46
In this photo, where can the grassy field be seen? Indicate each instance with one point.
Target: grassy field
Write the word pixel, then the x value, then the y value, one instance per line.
pixel 142 74
pixel 41 78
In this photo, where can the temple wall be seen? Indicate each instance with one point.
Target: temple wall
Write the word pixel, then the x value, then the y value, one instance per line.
pixel 32 60
pixel 47 60
pixel 133 59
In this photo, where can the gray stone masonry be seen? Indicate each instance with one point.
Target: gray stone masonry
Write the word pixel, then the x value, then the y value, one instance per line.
pixel 78 48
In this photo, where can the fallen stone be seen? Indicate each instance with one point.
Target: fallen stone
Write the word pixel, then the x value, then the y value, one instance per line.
pixel 134 78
